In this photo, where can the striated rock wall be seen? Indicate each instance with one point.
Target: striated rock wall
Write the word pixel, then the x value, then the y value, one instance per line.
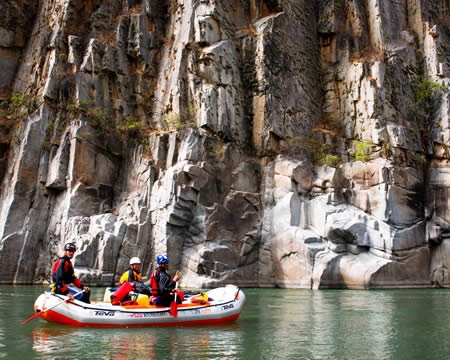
pixel 264 143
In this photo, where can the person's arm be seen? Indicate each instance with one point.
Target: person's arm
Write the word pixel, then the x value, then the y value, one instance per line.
pixel 77 282
pixel 165 284
pixel 80 285
pixel 124 278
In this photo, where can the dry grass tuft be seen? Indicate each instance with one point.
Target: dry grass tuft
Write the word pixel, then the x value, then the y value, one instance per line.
pixel 136 10
pixel 368 54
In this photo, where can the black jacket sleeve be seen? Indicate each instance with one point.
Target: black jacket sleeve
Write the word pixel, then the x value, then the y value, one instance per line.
pixel 166 285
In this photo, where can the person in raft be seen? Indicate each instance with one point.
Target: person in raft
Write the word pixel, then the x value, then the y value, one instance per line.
pixel 63 275
pixel 162 285
pixel 133 274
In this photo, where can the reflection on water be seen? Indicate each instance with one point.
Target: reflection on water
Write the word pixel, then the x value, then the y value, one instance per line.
pixel 284 324
pixel 215 342
pixel 76 343
pixel 304 324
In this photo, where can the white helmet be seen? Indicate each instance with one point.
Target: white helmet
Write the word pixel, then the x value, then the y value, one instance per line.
pixel 135 260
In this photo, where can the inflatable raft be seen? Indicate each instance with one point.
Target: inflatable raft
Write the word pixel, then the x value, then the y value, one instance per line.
pixel 224 304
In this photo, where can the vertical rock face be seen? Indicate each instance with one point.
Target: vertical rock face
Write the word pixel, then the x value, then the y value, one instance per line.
pixel 264 143
pixel 15 19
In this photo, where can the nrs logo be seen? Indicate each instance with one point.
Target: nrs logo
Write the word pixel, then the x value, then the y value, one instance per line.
pixel 136 315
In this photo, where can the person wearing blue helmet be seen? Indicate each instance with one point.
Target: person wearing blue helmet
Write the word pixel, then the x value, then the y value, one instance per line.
pixel 162 286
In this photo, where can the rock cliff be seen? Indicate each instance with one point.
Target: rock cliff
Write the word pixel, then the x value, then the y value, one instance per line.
pixel 300 144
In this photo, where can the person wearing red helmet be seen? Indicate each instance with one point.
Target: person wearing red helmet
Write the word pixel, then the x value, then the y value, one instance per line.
pixel 63 275
pixel 162 286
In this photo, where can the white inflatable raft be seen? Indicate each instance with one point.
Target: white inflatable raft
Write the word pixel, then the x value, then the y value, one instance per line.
pixel 226 305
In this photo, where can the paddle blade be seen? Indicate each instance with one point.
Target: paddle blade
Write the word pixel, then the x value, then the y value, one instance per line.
pixel 31 318
pixel 174 309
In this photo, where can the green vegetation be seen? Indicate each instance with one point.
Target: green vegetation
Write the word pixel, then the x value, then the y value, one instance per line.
pixel 125 128
pixel 331 160
pixel 426 89
pixel 129 123
pixel 146 146
pixel 426 92
pixel 20 105
pixel 320 153
pixel 362 150
pixel 425 95
pixel 215 148
pixel 387 148
pixel 175 121
pixel 95 115
pixel 13 111
pixel 55 129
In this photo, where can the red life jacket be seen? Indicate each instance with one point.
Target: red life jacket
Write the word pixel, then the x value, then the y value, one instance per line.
pixel 63 274
pixel 154 283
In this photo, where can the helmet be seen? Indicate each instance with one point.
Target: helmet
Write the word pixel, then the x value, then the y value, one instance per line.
pixel 162 259
pixel 135 260
pixel 70 246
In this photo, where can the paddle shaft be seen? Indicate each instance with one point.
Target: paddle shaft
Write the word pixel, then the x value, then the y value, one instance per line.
pixel 51 307
pixel 176 292
pixel 173 304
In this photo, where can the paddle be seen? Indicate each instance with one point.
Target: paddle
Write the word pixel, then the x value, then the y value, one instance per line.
pixel 51 307
pixel 173 304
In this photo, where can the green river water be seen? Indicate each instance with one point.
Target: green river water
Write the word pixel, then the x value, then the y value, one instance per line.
pixel 275 324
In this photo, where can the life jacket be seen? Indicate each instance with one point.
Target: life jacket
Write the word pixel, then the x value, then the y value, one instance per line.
pixel 154 284
pixel 63 274
pixel 130 275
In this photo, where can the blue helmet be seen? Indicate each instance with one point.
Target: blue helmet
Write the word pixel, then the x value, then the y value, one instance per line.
pixel 162 259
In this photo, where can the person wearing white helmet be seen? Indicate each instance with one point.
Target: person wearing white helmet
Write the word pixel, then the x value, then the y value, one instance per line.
pixel 133 273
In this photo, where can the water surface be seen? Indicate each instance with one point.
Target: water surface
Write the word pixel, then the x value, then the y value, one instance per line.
pixel 275 324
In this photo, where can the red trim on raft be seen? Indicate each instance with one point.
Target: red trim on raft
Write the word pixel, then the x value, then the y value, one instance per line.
pixel 53 316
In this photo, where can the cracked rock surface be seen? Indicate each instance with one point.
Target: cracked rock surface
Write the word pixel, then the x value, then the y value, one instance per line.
pixel 298 144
